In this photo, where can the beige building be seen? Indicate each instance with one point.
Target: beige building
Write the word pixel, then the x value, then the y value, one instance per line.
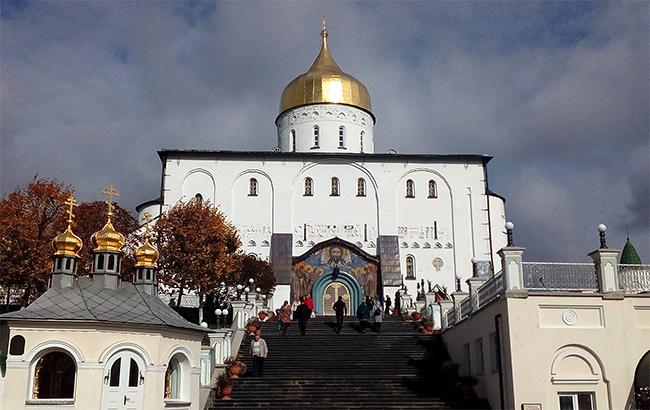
pixel 99 342
pixel 572 336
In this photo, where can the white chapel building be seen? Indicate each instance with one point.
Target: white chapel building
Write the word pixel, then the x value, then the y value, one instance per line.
pixel 331 215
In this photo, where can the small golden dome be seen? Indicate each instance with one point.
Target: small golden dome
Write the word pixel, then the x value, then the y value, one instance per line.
pixel 146 255
pixel 325 82
pixel 108 239
pixel 67 244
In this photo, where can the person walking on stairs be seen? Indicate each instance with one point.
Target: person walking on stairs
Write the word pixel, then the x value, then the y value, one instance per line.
pixel 387 304
pixel 377 315
pixel 259 351
pixel 310 304
pixel 285 317
pixel 363 314
pixel 302 314
pixel 294 307
pixel 340 309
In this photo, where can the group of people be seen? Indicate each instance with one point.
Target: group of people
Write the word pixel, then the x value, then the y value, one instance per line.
pixel 300 310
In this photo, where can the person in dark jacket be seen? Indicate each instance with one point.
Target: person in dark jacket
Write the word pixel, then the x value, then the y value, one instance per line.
pixel 302 314
pixel 387 305
pixel 363 314
pixel 340 309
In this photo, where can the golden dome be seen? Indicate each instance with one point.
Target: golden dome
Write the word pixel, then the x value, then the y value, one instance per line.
pixel 146 255
pixel 67 243
pixel 325 82
pixel 108 239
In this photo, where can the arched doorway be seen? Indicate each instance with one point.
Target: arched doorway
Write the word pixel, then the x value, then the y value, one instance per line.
pixel 331 294
pixel 339 280
pixel 642 383
pixel 123 382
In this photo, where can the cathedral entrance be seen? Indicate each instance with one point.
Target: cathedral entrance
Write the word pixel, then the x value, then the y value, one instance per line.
pixel 331 294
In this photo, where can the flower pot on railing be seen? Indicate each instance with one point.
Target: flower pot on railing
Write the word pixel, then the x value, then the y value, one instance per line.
pixel 235 367
pixel 262 315
pixel 226 392
pixel 416 316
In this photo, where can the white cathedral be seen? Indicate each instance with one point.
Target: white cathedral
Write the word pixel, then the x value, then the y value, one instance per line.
pixel 333 217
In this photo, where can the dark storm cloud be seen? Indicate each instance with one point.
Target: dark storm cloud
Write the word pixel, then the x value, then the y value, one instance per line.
pixel 557 92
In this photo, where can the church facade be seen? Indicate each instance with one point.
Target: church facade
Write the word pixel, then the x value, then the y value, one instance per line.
pixel 332 216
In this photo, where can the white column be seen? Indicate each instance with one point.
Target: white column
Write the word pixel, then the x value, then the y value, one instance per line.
pixel 474 283
pixel 606 261
pixel 512 268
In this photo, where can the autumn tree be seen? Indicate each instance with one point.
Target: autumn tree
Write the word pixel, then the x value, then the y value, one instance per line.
pixel 90 218
pixel 250 266
pixel 29 218
pixel 198 248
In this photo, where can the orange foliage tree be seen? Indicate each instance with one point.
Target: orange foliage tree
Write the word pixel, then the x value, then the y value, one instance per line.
pixel 250 266
pixel 198 249
pixel 30 217
pixel 90 218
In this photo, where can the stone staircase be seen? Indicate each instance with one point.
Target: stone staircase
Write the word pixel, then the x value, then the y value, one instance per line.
pixel 395 369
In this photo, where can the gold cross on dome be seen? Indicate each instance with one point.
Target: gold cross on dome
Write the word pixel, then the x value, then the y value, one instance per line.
pixel 71 202
pixel 147 220
pixel 110 192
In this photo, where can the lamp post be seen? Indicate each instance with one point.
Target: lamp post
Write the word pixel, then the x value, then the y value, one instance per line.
pixel 601 232
pixel 509 227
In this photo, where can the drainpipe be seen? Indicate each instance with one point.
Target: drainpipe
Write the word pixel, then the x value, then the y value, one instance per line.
pixel 497 328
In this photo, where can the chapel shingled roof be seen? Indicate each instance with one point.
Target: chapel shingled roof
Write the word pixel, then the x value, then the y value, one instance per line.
pixel 630 256
pixel 88 301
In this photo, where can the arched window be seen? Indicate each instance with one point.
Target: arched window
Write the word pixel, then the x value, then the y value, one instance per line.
pixel 293 140
pixel 176 378
pixel 410 189
pixel 335 187
pixel 252 187
pixel 341 137
pixel 198 198
pixel 111 262
pixel 316 136
pixel 361 187
pixel 361 140
pixel 309 186
pixel 433 189
pixel 54 376
pixel 100 261
pixel 410 267
pixel 59 263
pixel 17 346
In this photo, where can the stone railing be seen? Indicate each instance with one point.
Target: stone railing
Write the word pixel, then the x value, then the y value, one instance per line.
pixel 560 276
pixel 634 278
pixel 465 308
pixel 490 290
pixel 189 301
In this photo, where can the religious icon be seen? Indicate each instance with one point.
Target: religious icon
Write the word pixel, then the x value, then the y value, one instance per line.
pixel 335 257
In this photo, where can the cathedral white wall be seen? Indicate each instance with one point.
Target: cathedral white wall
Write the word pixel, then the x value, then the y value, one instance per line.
pixel 497 225
pixel 460 210
pixel 328 117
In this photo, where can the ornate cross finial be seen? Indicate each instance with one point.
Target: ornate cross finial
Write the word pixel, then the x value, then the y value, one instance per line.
pixel 323 32
pixel 110 192
pixel 147 220
pixel 71 202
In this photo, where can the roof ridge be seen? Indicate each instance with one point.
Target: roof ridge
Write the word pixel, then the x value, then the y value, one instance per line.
pixel 83 298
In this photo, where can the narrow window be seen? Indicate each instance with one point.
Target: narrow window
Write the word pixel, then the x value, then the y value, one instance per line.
pixel 309 186
pixel 252 187
pixel 435 229
pixel 316 136
pixel 148 274
pixel 410 189
pixel 293 140
pixel 100 262
pixel 54 377
pixel 59 262
pixel 114 376
pixel 133 374
pixel 17 346
pixel 433 189
pixel 494 353
pixel 361 140
pixel 478 356
pixel 341 137
pixel 335 187
pixel 466 366
pixel 410 267
pixel 111 262
pixel 198 198
pixel 361 187
pixel 67 264
pixel 172 380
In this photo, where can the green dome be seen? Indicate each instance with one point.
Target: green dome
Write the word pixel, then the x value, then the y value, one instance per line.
pixel 630 256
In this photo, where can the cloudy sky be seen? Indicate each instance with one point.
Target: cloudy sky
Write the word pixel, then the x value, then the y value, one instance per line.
pixel 556 92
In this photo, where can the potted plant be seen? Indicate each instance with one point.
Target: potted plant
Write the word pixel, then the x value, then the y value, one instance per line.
pixel 235 367
pixel 428 327
pixel 416 316
pixel 253 326
pixel 225 386
pixel 262 315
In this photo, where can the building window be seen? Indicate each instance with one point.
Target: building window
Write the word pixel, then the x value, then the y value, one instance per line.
pixel 100 262
pixel 111 262
pixel 410 267
pixel 410 189
pixel 341 137
pixel 478 356
pixel 293 140
pixel 252 187
pixel 17 346
pixel 198 198
pixel 494 353
pixel 466 365
pixel 576 401
pixel 335 187
pixel 173 379
pixel 309 187
pixel 433 189
pixel 361 187
pixel 361 140
pixel 316 136
pixel 54 376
